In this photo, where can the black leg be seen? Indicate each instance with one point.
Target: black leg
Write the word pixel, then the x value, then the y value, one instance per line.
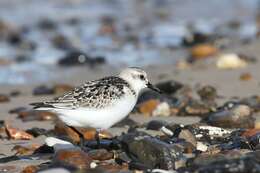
pixel 81 137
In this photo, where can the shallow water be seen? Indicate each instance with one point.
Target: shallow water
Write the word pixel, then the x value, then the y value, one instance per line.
pixel 146 32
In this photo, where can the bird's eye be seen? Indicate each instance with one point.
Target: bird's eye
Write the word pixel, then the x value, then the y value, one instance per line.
pixel 142 77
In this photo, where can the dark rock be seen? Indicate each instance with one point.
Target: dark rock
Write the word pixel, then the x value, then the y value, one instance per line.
pixel 43 90
pixel 35 131
pixel 47 24
pixel 22 59
pixel 17 110
pixel 169 87
pixel 156 124
pixel 150 151
pixel 127 122
pixel 15 93
pixel 72 157
pixel 14 38
pixel 196 38
pixel 79 58
pixel 232 115
pixel 225 163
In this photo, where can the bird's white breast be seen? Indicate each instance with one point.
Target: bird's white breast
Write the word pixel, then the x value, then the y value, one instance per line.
pixel 98 118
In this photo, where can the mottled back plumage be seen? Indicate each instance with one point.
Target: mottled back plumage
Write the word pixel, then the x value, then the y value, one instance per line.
pixel 92 94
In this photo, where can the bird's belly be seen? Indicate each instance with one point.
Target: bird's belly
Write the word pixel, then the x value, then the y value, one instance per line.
pixel 98 118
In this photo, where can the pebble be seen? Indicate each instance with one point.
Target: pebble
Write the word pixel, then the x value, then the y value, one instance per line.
pixel 230 61
pixel 207 93
pixel 72 157
pixel 162 109
pixel 100 154
pixel 232 115
pixel 30 169
pixel 202 51
pixel 24 150
pixel 16 134
pixel 148 107
pixel 151 151
pixel 245 77
pixel 169 87
pixel 43 90
pixel 4 98
pixel 32 115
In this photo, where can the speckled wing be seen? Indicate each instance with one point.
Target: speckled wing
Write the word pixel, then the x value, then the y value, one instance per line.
pixel 92 94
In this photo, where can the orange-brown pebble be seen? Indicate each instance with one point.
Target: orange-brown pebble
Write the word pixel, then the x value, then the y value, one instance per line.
pixel 148 107
pixel 202 51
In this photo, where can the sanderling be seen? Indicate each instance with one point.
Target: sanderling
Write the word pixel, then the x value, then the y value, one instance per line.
pixel 99 103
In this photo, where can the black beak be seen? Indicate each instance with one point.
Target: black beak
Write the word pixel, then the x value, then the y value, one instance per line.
pixel 149 85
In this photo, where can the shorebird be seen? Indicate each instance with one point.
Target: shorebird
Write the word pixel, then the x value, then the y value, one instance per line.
pixel 99 103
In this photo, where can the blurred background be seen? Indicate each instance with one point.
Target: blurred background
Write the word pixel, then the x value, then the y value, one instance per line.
pixel 42 40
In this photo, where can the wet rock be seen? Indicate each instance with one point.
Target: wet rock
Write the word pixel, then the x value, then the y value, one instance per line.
pixel 32 115
pixel 232 115
pixel 150 151
pixel 72 157
pixel 230 61
pixel 4 98
pixel 79 58
pixel 169 87
pixel 16 134
pixel 30 169
pixel 43 90
pixel 148 107
pixel 202 51
pixel 245 77
pixel 101 154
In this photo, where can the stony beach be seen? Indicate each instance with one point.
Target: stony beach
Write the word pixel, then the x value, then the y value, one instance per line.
pixel 206 120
